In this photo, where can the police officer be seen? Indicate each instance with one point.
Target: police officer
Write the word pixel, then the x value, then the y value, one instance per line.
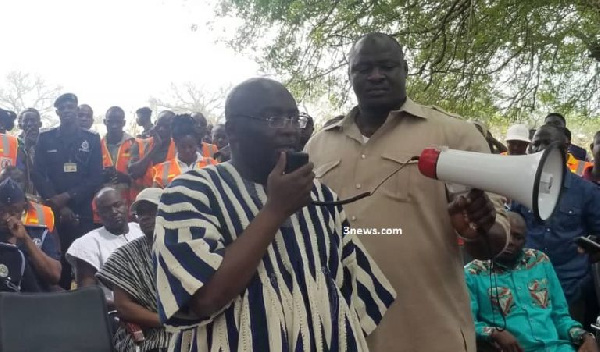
pixel 67 172
pixel 36 243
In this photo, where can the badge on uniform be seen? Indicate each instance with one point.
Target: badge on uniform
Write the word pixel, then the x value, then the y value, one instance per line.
pixel 5 162
pixel 70 167
pixel 3 270
pixel 85 146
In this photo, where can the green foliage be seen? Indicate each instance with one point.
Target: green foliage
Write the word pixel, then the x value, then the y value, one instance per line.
pixel 482 59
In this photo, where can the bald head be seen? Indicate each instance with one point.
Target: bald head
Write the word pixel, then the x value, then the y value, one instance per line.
pixel 112 210
pixel 106 193
pixel 85 116
pixel 517 223
pixel 250 96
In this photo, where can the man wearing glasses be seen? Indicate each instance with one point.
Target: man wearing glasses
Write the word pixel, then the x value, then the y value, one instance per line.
pixel 245 262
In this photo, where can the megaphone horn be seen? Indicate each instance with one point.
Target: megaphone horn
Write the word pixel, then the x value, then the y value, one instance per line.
pixel 534 180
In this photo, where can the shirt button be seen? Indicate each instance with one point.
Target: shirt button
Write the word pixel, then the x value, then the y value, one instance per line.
pixel 358 185
pixel 547 230
pixel 363 156
pixel 353 218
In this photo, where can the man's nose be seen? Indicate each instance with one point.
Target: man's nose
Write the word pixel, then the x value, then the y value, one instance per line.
pixel 375 75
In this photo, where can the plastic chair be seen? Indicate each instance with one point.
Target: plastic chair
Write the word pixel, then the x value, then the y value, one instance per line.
pixel 55 322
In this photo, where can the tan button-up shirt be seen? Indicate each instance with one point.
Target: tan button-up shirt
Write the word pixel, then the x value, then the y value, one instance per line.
pixel 432 311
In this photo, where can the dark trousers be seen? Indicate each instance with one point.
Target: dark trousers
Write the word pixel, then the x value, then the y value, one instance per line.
pixel 67 234
pixel 586 309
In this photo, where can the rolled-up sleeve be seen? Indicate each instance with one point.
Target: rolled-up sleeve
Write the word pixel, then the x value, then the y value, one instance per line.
pixel 188 250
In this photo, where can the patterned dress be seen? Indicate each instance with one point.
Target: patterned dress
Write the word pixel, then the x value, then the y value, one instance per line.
pixel 316 289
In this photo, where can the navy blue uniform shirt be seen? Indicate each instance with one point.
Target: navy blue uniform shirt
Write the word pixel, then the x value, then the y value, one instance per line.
pixel 72 164
pixel 48 243
pixel 577 214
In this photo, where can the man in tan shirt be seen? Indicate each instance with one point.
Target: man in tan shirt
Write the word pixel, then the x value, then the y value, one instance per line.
pixel 432 312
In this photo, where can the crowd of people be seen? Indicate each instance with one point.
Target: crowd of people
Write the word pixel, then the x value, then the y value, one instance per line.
pixel 203 239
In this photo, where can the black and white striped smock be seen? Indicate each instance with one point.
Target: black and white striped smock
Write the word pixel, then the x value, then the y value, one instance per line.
pixel 130 268
pixel 316 289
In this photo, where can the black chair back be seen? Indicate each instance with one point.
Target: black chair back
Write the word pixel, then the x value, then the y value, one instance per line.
pixel 55 322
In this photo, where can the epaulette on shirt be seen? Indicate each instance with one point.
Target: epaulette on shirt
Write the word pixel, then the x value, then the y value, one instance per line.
pixel 437 108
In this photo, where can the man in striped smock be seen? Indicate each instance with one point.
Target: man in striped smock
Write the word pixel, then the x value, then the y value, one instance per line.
pixel 244 260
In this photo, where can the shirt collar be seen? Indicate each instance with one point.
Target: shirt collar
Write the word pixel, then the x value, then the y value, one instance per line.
pixel 409 107
pixel 198 158
pixel 124 138
pixel 521 260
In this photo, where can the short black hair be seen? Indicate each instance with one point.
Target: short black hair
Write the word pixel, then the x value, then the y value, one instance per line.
pixel 183 125
pixel 144 111
pixel 565 132
pixel 64 98
pixel 7 119
pixel 115 108
pixel 559 115
pixel 374 36
pixel 29 110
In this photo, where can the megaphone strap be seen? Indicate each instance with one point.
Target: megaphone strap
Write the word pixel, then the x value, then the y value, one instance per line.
pixel 365 194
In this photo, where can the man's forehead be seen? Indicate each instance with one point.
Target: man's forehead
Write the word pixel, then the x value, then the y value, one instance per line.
pixel 377 47
pixel 30 116
pixel 115 115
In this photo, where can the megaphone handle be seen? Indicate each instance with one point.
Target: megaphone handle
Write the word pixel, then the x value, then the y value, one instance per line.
pixel 455 190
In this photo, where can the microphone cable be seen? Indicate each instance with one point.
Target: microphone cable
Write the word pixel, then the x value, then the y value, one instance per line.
pixel 365 194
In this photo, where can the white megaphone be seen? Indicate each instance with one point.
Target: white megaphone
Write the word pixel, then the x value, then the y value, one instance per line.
pixel 534 180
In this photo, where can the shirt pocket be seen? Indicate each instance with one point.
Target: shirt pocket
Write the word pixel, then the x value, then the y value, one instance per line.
pixel 397 186
pixel 502 299
pixel 326 169
pixel 569 217
pixel 538 290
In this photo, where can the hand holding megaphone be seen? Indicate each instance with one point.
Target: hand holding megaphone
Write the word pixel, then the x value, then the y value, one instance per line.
pixel 472 215
pixel 534 180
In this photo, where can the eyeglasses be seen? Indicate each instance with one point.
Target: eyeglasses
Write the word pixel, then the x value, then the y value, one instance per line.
pixel 299 121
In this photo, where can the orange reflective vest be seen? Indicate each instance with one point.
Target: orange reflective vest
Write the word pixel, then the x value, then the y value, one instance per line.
pixel 121 165
pixel 8 150
pixel 123 155
pixel 165 173
pixel 577 166
pixel 39 216
pixel 144 146
pixel 208 150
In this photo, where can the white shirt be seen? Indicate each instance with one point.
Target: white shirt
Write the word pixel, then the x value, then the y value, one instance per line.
pixel 185 167
pixel 97 245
